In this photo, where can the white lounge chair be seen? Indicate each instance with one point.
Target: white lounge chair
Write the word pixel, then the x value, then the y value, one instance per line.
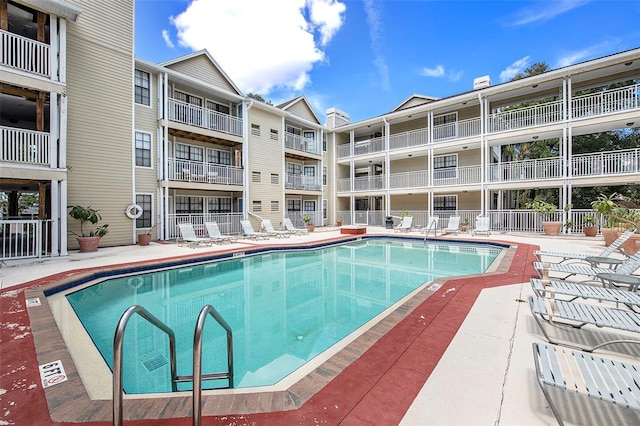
pixel 453 227
pixel 268 227
pixel 248 231
pixel 214 233
pixel 405 224
pixel 554 288
pixel 288 225
pixel 432 225
pixel 483 226
pixel 586 374
pixel 188 236
pixel 557 312
pixel 628 266
pixel 581 256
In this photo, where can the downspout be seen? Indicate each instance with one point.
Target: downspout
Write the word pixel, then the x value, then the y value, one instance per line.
pixel 430 178
pixel 245 158
pixel 483 161
pixel 387 168
pixel 164 156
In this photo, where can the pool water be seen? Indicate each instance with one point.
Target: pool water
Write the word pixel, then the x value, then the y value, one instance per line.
pixel 284 308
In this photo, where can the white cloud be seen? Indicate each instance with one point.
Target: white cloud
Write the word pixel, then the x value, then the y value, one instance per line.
pixel 438 71
pixel 375 29
pixel 550 9
pixel 262 45
pixel 587 53
pixel 513 69
pixel 167 39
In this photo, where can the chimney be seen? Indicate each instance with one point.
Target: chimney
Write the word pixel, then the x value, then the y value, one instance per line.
pixel 336 118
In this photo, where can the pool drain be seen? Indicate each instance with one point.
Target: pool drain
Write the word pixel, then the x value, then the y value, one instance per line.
pixel 155 362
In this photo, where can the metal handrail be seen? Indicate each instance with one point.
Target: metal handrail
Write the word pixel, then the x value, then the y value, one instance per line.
pixel 117 355
pixel 197 360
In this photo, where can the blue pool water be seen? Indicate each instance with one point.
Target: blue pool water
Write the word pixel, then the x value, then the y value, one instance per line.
pixel 284 307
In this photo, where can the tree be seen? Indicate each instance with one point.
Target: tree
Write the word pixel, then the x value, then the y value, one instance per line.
pixel 258 97
pixel 535 69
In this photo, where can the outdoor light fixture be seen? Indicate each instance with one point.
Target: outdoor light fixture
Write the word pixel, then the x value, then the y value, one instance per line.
pixel 628 63
pixel 630 124
pixel 534 86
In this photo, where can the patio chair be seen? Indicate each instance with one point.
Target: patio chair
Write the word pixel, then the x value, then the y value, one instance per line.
pixel 288 225
pixel 483 226
pixel 453 227
pixel 214 233
pixel 553 288
pixel 268 227
pixel 600 378
pixel 628 266
pixel 432 225
pixel 188 236
pixel 615 246
pixel 405 224
pixel 557 312
pixel 248 231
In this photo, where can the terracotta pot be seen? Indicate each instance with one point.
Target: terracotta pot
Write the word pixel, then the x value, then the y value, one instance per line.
pixel 609 235
pixel 631 246
pixel 310 227
pixel 552 228
pixel 144 239
pixel 88 244
pixel 590 231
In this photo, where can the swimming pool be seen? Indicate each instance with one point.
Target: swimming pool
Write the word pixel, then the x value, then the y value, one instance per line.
pixel 284 307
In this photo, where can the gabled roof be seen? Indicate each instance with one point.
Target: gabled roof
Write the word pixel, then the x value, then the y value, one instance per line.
pixel 60 8
pixel 414 100
pixel 205 53
pixel 288 105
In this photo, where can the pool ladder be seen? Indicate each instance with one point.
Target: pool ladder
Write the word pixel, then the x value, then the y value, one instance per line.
pixel 197 376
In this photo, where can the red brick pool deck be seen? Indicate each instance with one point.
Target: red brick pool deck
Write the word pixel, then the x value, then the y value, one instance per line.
pixel 376 388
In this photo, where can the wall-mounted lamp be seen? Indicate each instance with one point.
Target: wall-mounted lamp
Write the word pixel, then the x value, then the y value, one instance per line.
pixel 534 86
pixel 628 63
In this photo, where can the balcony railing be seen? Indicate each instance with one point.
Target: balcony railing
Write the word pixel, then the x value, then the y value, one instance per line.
pixel 196 171
pixel 24 54
pixel 300 143
pixel 512 171
pixel 298 181
pixel 419 179
pixel 229 223
pixel 24 146
pixel 194 115
pixel 296 218
pixel 457 175
pixel 368 183
pixel 457 130
pixel 610 101
pixel 536 115
pixel 409 139
pixel 606 163
pixel 23 239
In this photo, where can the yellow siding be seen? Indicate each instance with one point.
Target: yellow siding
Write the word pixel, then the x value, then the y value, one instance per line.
pixel 406 126
pixel 301 109
pixel 99 76
pixel 201 68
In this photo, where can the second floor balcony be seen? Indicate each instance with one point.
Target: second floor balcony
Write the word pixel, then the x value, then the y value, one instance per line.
pixel 304 182
pixel 201 172
pixel 301 143
pixel 24 146
pixel 25 54
pixel 193 115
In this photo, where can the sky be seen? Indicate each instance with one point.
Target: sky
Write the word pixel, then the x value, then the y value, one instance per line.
pixel 366 57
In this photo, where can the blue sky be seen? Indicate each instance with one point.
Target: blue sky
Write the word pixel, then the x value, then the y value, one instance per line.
pixel 366 57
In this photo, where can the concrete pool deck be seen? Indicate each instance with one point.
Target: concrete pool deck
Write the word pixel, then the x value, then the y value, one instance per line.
pixel 462 356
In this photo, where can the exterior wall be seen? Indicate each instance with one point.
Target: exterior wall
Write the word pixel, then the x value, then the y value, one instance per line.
pixel 100 124
pixel 414 202
pixel 406 126
pixel 146 120
pixel 301 109
pixel 201 68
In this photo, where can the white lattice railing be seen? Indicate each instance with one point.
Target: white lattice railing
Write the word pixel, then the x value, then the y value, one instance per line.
pixel 24 146
pixel 605 102
pixel 197 171
pixel 194 115
pixel 24 54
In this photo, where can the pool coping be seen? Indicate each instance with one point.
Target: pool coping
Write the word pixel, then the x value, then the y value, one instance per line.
pixel 50 347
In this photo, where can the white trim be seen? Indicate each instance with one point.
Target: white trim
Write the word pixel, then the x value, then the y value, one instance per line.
pixel 151 76
pixel 151 152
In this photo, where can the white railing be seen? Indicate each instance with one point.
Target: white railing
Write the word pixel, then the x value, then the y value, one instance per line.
pixel 369 146
pixel 23 239
pixel 194 115
pixel 458 130
pixel 368 183
pixel 419 179
pixel 344 150
pixel 197 171
pixel 609 101
pixel 409 139
pixel 296 218
pixel 300 143
pixel 298 181
pixel 606 163
pixel 24 54
pixel 24 146
pixel 512 171
pixel 457 176
pixel 229 223
pixel 536 115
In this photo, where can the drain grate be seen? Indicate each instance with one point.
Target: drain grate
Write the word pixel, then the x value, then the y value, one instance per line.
pixel 155 363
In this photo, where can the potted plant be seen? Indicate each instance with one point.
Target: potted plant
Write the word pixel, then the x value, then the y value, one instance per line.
pixel 545 210
pixel 339 221
pixel 145 238
pixel 603 206
pixel 89 240
pixel 307 220
pixel 464 225
pixel 589 225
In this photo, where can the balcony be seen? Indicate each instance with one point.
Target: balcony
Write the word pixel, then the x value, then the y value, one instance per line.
pixel 24 146
pixel 457 130
pixel 418 179
pixel 299 181
pixel 409 139
pixel 299 143
pixel 192 115
pixel 200 172
pixel 521 118
pixel 362 183
pixel 368 146
pixel 24 54
pixel 457 176
pixel 514 171
pixel 606 102
pixel 606 163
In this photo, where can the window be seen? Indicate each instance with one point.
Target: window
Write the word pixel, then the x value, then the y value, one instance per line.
pixel 219 205
pixel 324 209
pixel 189 152
pixel 256 177
pixel 324 142
pixel 444 166
pixel 324 175
pixel 445 203
pixel 257 206
pixel 142 88
pixel 255 130
pixel 143 149
pixel 216 156
pixel 146 220
pixel 294 169
pixel 214 106
pixel 294 205
pixel 275 178
pixel 189 205
pixel 274 135
pixel 275 206
pixel 444 119
pixel 309 205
